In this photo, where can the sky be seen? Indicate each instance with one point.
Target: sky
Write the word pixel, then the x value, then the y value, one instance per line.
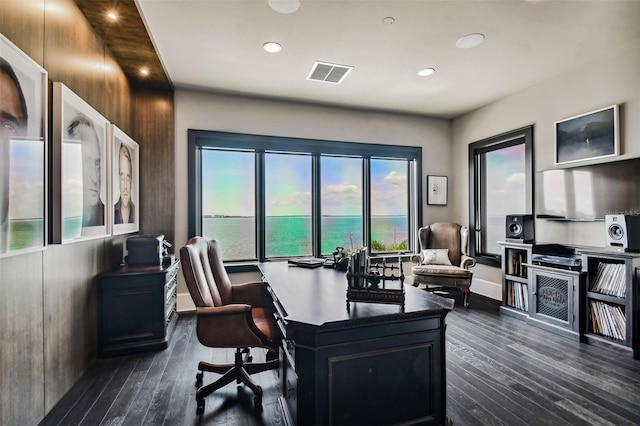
pixel 27 179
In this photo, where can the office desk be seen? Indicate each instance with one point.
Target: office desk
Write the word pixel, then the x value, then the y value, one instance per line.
pixel 370 364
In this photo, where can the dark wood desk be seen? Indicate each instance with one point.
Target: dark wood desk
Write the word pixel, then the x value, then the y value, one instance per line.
pixel 370 365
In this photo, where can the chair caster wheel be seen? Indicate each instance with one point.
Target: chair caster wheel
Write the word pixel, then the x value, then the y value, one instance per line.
pixel 199 377
pixel 200 406
pixel 257 399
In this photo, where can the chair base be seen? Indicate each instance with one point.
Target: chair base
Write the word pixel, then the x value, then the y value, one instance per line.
pixel 239 371
pixel 433 285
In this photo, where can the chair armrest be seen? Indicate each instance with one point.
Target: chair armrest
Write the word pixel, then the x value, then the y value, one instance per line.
pixel 416 259
pixel 467 262
pixel 227 326
pixel 252 293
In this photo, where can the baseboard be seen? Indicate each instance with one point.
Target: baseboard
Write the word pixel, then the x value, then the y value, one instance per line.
pixel 185 303
pixel 486 288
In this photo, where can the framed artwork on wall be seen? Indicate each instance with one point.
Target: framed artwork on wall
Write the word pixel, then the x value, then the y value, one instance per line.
pixel 80 169
pixel 588 136
pixel 125 182
pixel 23 152
pixel 437 190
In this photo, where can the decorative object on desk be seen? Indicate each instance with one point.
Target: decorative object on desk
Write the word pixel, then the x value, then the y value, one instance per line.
pixel 23 152
pixel 588 136
pixel 437 190
pixel 368 282
pixel 340 259
pixel 306 262
pixel 455 238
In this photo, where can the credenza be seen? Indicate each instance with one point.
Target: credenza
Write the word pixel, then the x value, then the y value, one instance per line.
pixel 369 363
pixel 136 309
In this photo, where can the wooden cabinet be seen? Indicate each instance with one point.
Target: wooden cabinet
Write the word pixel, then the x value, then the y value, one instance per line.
pixel 555 303
pixel 136 308
pixel 515 279
pixel 546 297
pixel 611 313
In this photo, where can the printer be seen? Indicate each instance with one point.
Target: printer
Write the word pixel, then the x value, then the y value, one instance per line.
pixel 146 250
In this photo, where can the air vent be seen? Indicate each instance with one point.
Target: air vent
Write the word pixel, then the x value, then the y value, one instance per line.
pixel 329 73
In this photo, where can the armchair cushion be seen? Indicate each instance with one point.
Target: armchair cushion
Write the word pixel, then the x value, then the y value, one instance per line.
pixel 435 257
pixel 441 270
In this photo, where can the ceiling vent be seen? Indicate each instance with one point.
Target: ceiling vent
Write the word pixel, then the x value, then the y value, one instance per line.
pixel 329 73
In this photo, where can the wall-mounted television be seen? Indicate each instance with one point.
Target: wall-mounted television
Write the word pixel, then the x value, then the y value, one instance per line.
pixel 589 192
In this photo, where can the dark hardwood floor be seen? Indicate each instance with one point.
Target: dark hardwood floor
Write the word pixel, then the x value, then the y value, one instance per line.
pixel 500 371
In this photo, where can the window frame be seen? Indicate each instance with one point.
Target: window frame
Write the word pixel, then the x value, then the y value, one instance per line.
pixel 477 193
pixel 261 144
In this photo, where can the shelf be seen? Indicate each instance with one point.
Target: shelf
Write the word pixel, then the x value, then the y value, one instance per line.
pixel 516 278
pixel 606 298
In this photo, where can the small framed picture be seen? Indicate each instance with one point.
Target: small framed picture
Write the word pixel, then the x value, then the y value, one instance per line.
pixel 80 172
pixel 23 152
pixel 125 182
pixel 437 190
pixel 588 136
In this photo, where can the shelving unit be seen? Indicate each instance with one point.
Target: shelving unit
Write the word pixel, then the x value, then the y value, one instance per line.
pixel 611 310
pixel 515 279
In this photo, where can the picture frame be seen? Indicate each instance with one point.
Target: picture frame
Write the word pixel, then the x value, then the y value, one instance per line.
pixel 80 169
pixel 437 190
pixel 23 152
pixel 588 136
pixel 125 182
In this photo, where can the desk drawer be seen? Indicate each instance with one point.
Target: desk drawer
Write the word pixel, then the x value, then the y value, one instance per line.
pixel 289 382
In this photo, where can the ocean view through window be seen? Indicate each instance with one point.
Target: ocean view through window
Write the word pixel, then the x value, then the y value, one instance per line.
pixel 268 197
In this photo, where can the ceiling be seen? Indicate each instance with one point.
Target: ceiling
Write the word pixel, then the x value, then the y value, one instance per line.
pixel 216 45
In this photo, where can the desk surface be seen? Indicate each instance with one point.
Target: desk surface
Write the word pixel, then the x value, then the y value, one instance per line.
pixel 317 297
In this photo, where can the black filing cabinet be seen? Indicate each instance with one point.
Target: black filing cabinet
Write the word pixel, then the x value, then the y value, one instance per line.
pixel 136 308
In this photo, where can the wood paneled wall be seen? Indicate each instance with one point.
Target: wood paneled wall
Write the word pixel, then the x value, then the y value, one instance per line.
pixel 48 308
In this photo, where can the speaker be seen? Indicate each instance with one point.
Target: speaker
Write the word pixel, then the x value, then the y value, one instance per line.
pixel 519 228
pixel 623 232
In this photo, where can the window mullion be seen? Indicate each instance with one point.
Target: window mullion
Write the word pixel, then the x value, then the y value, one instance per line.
pixel 260 206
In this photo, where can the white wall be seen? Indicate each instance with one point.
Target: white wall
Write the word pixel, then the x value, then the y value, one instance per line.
pixel 602 82
pixel 206 111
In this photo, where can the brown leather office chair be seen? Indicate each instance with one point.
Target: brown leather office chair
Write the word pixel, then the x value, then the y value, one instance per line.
pixel 443 261
pixel 228 316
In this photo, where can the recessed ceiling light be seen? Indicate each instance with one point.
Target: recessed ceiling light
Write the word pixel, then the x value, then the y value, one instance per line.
pixel 284 6
pixel 469 41
pixel 144 71
pixel 112 15
pixel 426 71
pixel 272 47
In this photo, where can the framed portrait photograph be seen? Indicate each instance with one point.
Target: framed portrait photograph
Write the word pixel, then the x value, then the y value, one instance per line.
pixel 80 175
pixel 588 136
pixel 125 185
pixel 23 152
pixel 437 190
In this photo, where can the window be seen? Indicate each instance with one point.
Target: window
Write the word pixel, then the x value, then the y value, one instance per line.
pixel 288 205
pixel 389 205
pixel 228 210
pixel 267 197
pixel 340 203
pixel 501 183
